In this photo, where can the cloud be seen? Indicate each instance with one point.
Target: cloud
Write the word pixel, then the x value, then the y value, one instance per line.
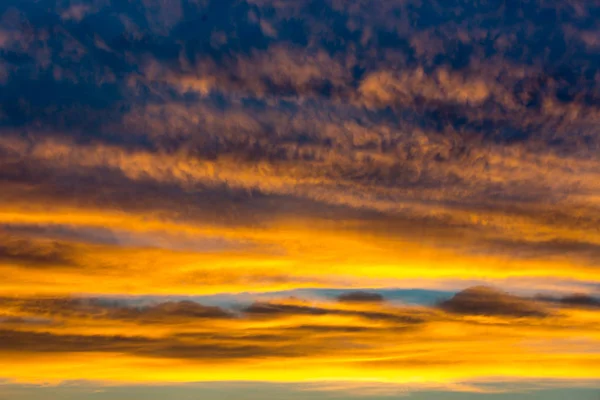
pixel 360 297
pixel 372 340
pixel 69 307
pixel 580 300
pixel 153 200
pixel 235 146
pixel 385 88
pixel 283 309
pixel 278 71
pixel 76 12
pixel 481 300
pixel 573 300
pixel 62 233
pixel 34 253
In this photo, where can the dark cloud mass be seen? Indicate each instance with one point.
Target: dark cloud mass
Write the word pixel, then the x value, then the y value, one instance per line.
pixel 33 253
pixel 361 297
pixel 573 300
pixel 482 300
pixel 580 300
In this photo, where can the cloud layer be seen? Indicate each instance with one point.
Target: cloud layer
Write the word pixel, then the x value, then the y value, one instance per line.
pixel 475 332
pixel 240 147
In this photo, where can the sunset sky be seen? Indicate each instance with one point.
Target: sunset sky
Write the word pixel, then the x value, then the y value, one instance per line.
pixel 299 199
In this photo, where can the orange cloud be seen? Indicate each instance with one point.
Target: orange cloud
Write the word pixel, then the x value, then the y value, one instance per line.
pixel 370 341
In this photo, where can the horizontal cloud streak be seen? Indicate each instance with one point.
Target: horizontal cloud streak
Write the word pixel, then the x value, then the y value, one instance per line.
pixel 330 337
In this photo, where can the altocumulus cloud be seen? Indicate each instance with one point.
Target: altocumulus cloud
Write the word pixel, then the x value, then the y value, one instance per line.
pixel 231 146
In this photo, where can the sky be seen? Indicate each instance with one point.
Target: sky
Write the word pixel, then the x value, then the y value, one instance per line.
pixel 299 199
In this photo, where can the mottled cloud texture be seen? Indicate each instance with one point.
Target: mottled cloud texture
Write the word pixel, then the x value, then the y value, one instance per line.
pixel 243 147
